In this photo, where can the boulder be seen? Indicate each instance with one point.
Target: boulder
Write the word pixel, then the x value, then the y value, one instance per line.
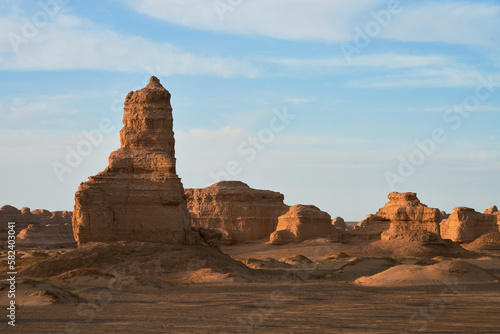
pixel 466 224
pixel 239 212
pixel 139 196
pixel 303 222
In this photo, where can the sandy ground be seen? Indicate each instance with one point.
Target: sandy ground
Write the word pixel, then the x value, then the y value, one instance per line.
pixel 314 288
pixel 305 307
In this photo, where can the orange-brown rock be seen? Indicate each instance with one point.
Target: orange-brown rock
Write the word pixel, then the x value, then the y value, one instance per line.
pixel 239 212
pixel 444 215
pixel 42 213
pixel 404 217
pixel 339 223
pixel 139 196
pixel 23 218
pixel 492 210
pixel 466 224
pixel 36 220
pixel 488 241
pixel 303 222
pixel 46 236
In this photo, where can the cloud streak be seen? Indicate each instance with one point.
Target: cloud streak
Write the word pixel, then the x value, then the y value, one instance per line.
pixel 71 43
pixel 463 23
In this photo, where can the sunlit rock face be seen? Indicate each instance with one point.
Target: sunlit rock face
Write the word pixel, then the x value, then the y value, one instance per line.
pixel 139 196
pixel 404 217
pixel 465 225
pixel 239 212
pixel 303 222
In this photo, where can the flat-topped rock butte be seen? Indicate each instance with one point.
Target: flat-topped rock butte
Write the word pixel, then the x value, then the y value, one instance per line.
pixel 241 213
pixel 139 196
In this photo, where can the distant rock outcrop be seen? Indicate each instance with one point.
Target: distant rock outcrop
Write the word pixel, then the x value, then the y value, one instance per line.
pixel 404 217
pixel 466 224
pixel 303 222
pixel 23 218
pixel 38 228
pixel 47 236
pixel 139 196
pixel 339 223
pixel 239 212
pixel 492 210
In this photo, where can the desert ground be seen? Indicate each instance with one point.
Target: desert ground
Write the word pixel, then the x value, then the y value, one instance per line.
pixel 311 287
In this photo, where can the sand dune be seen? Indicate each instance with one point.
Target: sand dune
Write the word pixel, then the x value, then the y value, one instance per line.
pixel 441 273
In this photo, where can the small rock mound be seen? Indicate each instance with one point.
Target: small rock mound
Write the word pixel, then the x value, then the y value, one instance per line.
pixel 444 273
pixel 163 262
pixel 303 222
pixel 363 267
pixel 488 241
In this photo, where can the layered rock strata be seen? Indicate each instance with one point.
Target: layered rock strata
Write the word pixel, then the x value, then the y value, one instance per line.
pixel 37 220
pixel 46 236
pixel 139 196
pixel 466 225
pixel 303 222
pixel 239 212
pixel 404 217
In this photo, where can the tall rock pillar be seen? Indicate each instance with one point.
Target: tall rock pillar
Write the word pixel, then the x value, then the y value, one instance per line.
pixel 139 196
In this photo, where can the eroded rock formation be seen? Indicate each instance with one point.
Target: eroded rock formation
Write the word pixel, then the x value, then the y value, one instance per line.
pixel 139 196
pixel 45 228
pixel 303 222
pixel 339 223
pixel 466 224
pixel 46 236
pixel 492 210
pixel 23 218
pixel 239 212
pixel 404 217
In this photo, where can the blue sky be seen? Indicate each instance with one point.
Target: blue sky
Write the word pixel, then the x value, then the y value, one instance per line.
pixel 332 103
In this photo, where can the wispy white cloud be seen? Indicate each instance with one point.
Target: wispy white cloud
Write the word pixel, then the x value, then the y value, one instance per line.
pixel 396 70
pixel 465 23
pixel 285 19
pixel 458 76
pixel 72 43
pixel 226 132
pixel 389 60
pixel 46 111
pixel 453 22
